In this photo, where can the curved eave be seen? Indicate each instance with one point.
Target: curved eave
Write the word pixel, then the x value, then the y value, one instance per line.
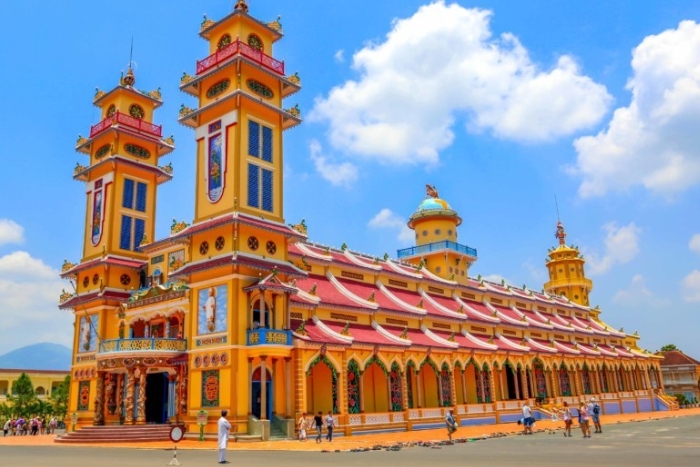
pixel 191 119
pixel 163 147
pixel 156 102
pixel 162 175
pixel 205 33
pixel 433 213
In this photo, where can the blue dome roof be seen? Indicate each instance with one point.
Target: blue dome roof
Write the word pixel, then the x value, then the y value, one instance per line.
pixel 433 203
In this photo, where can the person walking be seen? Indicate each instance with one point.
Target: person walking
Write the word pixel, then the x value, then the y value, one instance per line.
pixel 567 420
pixel 302 427
pixel 583 420
pixel 6 427
pixel 594 412
pixel 527 419
pixel 224 429
pixel 451 424
pixel 318 421
pixel 330 423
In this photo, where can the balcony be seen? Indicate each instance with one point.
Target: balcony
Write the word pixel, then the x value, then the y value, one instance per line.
pixel 436 246
pixel 126 120
pixel 269 337
pixel 240 48
pixel 142 345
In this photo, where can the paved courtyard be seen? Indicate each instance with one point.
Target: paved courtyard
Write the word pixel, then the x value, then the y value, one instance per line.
pixel 668 442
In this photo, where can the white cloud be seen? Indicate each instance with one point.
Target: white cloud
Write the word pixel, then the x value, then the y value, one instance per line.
pixel 691 287
pixel 694 243
pixel 29 291
pixel 621 246
pixel 343 174
pixel 638 294
pixel 443 62
pixel 495 278
pixel 10 232
pixel 386 219
pixel 654 141
pixel 339 56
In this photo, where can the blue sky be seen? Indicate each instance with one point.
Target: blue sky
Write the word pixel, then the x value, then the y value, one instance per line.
pixel 499 104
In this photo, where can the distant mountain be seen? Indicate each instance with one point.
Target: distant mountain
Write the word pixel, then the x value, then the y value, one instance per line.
pixel 44 356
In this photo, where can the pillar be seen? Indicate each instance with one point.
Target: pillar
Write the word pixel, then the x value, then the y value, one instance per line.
pixel 288 387
pixel 141 402
pixel 362 391
pixel 500 381
pixel 453 387
pixel 250 385
pixel 262 309
pixel 263 387
pixel 129 399
pixel 299 382
pixel 480 381
pixel 342 382
pixel 419 402
pixel 464 386
pixel 119 391
pixel 99 417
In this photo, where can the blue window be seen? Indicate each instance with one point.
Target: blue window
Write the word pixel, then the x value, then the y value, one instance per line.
pixel 260 186
pixel 139 230
pixel 253 186
pixel 128 197
pixel 260 141
pixel 141 196
pixel 267 190
pixel 125 236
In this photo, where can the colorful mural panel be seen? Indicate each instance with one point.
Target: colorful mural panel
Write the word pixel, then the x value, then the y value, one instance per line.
pixel 176 260
pixel 446 387
pixel 212 310
pixel 353 387
pixel 88 333
pixel 395 384
pixel 84 396
pixel 97 213
pixel 210 388
pixel 215 167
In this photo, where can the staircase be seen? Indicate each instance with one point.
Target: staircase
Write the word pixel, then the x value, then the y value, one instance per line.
pixel 117 434
pixel 276 432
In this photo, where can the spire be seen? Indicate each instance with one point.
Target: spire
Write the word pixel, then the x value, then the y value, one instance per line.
pixel 560 233
pixel 241 5
pixel 129 79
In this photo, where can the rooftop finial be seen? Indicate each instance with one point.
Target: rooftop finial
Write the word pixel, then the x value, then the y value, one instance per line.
pixel 560 233
pixel 130 79
pixel 431 191
pixel 241 5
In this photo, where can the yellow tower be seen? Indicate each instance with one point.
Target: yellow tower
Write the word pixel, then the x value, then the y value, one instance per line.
pixel 435 224
pixel 121 178
pixel 566 271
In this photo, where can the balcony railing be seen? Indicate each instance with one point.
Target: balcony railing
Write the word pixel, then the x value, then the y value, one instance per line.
pixel 127 120
pixel 235 48
pixel 436 246
pixel 269 337
pixel 143 344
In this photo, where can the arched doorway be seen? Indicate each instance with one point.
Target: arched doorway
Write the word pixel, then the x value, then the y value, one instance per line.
pixel 322 386
pixel 564 382
pixel 256 393
pixel 511 389
pixel 411 384
pixel 376 385
pixel 429 380
pixel 445 386
pixel 483 384
pixel 396 396
pixel 540 381
pixel 585 379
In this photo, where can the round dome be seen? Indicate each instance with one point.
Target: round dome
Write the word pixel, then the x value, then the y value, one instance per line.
pixel 433 203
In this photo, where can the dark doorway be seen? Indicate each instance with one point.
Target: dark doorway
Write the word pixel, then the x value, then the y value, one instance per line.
pixel 511 382
pixel 157 398
pixel 256 394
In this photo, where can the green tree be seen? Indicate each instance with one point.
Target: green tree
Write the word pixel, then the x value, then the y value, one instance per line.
pixel 23 396
pixel 668 347
pixel 59 398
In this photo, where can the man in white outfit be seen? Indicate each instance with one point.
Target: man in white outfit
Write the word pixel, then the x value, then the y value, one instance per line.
pixel 224 428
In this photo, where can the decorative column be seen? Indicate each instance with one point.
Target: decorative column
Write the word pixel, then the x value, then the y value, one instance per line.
pixel 404 388
pixel 419 402
pixel 118 396
pixel 500 382
pixel 262 309
pixel 342 382
pixel 288 387
pixel 553 383
pixel 110 383
pixel 362 391
pixel 453 387
pixel 579 383
pixel 464 386
pixel 99 418
pixel 299 382
pixel 250 386
pixel 129 399
pixel 480 381
pixel 263 387
pixel 141 407
pixel 492 383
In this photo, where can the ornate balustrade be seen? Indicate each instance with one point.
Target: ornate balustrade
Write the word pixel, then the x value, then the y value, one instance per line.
pixel 127 120
pixel 240 48
pixel 437 246
pixel 264 336
pixel 152 344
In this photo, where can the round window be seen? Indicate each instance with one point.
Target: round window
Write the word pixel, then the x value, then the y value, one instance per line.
pixel 125 279
pixel 438 269
pixel 111 110
pixel 95 279
pixel 203 248
pixel 86 281
pixel 271 247
pixel 224 41
pixel 136 111
pixel 253 243
pixel 425 233
pixel 438 231
pixel 219 243
pixel 449 232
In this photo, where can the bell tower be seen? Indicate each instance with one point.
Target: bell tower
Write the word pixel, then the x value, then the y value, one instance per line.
pixel 435 224
pixel 239 119
pixel 566 271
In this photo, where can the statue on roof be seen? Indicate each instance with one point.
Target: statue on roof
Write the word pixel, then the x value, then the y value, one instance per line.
pixel 560 233
pixel 241 5
pixel 431 191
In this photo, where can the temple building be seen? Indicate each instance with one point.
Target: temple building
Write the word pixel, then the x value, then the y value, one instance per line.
pixel 239 310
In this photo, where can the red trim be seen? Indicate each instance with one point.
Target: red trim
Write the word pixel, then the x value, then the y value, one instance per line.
pixel 240 48
pixel 127 120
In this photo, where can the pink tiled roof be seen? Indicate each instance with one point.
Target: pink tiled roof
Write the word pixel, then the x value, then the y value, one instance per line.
pixel 417 337
pixel 364 334
pixel 327 292
pixel 364 291
pixel 315 333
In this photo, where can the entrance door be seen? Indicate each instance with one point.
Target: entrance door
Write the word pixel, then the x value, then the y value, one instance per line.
pixel 256 394
pixel 157 398
pixel 511 381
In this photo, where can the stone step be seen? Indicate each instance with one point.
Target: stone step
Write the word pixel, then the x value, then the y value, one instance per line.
pixel 117 433
pixel 247 438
